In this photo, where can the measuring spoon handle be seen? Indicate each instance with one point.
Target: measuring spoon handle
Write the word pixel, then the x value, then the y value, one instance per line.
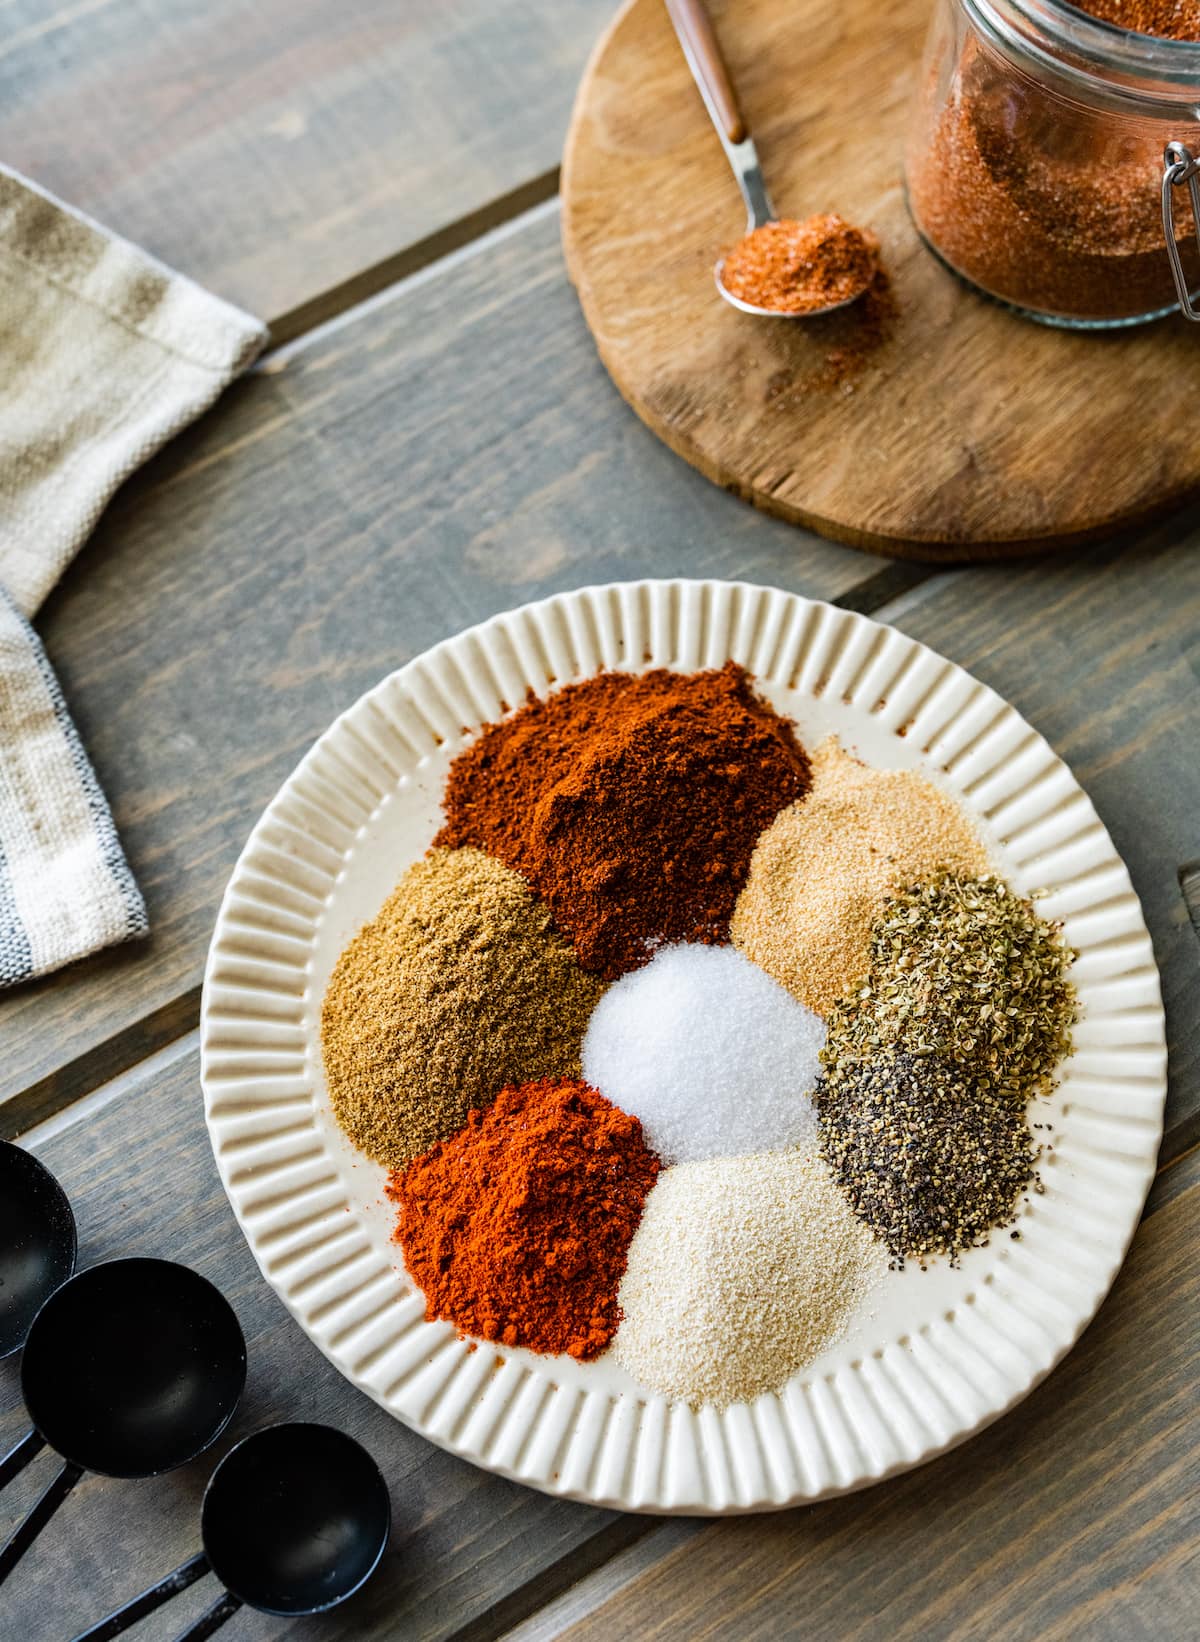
pixel 702 49
pixel 121 1618
pixel 23 1536
pixel 19 1456
pixel 211 1619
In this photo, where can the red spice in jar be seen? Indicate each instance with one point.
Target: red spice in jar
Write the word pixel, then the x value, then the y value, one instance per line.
pixel 631 803
pixel 1053 209
pixel 517 1228
pixel 801 267
pixel 1168 19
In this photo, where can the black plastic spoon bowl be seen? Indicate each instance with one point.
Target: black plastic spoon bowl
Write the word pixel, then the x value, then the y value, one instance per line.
pixel 295 1520
pixel 131 1368
pixel 37 1242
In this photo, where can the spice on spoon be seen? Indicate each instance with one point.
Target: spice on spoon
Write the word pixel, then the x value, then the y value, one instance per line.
pixel 802 267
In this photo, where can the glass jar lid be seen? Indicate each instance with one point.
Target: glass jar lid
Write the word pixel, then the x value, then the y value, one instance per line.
pixel 1140 75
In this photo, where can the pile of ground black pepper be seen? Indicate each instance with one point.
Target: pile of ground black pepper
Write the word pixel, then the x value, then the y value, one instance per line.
pixel 928 1160
pixel 631 803
pixel 930 1064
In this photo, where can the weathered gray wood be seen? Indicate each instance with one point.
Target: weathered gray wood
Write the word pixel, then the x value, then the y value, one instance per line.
pixel 142 1180
pixel 1100 650
pixel 278 151
pixel 453 450
pixel 1075 1516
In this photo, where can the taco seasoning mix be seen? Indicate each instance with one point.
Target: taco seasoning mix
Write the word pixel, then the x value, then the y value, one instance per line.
pixel 1036 153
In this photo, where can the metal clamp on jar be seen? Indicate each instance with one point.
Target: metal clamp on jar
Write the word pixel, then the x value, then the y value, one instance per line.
pixel 1036 169
pixel 1180 170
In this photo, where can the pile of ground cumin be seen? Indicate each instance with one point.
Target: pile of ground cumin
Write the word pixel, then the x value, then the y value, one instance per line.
pixel 459 986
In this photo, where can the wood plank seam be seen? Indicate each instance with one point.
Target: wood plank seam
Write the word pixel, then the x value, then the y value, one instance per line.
pixel 111 1058
pixel 527 1600
pixel 339 300
pixel 593 1590
pixel 886 586
pixel 1189 886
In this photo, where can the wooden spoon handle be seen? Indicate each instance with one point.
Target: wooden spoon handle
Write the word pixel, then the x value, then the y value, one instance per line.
pixel 698 38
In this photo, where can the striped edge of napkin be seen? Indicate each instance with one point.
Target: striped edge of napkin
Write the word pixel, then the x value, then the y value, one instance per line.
pixel 65 889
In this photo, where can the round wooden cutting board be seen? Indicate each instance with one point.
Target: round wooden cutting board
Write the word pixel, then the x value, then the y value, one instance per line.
pixel 966 432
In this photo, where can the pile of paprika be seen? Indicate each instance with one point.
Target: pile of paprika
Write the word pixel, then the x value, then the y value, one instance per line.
pixel 517 1229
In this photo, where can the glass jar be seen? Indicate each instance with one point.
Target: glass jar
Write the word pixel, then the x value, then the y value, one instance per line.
pixel 1036 159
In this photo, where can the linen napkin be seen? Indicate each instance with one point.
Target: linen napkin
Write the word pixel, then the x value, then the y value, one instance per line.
pixel 104 355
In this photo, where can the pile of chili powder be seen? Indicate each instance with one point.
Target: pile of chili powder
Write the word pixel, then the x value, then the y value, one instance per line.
pixel 631 804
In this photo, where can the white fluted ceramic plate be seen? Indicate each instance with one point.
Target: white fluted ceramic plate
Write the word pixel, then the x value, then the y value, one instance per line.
pixel 937 1354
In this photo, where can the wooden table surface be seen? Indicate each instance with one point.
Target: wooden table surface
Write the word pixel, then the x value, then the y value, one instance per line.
pixel 430 439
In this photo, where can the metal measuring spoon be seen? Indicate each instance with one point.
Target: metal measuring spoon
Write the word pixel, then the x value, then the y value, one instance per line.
pixel 295 1520
pixel 696 35
pixel 131 1368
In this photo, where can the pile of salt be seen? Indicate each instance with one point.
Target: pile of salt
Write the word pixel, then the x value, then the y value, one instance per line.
pixel 712 1055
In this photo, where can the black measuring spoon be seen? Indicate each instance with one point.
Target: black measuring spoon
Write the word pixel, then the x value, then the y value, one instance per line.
pixel 38 1248
pixel 295 1520
pixel 131 1368
pixel 37 1242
